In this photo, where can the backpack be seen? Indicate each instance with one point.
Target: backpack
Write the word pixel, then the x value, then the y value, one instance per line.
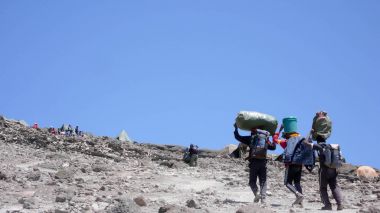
pixel 332 156
pixel 258 143
pixel 194 149
pixel 296 152
pixel 291 144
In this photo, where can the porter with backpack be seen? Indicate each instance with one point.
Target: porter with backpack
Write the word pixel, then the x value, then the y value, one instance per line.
pixel 258 143
pixel 330 159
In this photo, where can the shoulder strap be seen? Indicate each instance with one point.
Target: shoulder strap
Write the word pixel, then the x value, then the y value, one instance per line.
pixel 328 146
pixel 253 139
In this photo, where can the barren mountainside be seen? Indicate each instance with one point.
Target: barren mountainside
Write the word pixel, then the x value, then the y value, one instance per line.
pixel 41 172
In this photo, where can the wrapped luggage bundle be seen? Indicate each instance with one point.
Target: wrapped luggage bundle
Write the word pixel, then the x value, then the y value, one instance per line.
pixel 321 125
pixel 246 120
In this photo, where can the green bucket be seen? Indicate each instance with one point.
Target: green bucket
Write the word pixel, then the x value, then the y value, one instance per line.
pixel 290 124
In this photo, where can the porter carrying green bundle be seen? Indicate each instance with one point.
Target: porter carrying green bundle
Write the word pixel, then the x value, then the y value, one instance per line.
pixel 246 120
pixel 321 125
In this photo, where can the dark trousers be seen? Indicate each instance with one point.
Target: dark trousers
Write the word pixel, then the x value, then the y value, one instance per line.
pixel 292 179
pixel 193 160
pixel 327 176
pixel 258 169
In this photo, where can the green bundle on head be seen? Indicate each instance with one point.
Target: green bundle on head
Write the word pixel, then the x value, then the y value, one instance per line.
pixel 322 125
pixel 247 120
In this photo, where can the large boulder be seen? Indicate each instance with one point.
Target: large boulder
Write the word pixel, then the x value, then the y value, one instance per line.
pixel 253 208
pixel 347 169
pixel 63 174
pixel 34 176
pixel 192 204
pixel 140 201
pixel 3 176
pixel 65 194
pixel 229 149
pixel 180 209
pixel 366 172
pixel 123 205
pixel 28 203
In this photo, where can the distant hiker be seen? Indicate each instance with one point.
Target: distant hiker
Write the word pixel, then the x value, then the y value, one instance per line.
pixel 294 157
pixel 52 130
pixel 77 130
pixel 35 126
pixel 258 143
pixel 70 130
pixel 63 130
pixel 191 155
pixel 329 160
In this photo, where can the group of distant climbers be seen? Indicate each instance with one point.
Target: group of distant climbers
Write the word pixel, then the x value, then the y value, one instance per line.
pixel 298 152
pixel 65 130
pixel 68 130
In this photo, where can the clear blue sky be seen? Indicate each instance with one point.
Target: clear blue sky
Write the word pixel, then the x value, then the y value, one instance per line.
pixel 178 72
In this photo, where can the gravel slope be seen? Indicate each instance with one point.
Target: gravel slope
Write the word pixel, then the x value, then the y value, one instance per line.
pixel 45 173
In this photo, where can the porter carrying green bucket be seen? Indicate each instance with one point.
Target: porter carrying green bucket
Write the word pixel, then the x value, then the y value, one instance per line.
pixel 290 124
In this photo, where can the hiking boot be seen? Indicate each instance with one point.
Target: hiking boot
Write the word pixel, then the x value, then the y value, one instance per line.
pixel 257 198
pixel 340 207
pixel 299 199
pixel 328 207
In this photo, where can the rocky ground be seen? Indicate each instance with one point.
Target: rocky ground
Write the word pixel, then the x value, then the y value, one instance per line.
pixel 40 172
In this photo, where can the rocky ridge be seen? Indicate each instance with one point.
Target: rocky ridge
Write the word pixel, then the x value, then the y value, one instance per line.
pixel 40 172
